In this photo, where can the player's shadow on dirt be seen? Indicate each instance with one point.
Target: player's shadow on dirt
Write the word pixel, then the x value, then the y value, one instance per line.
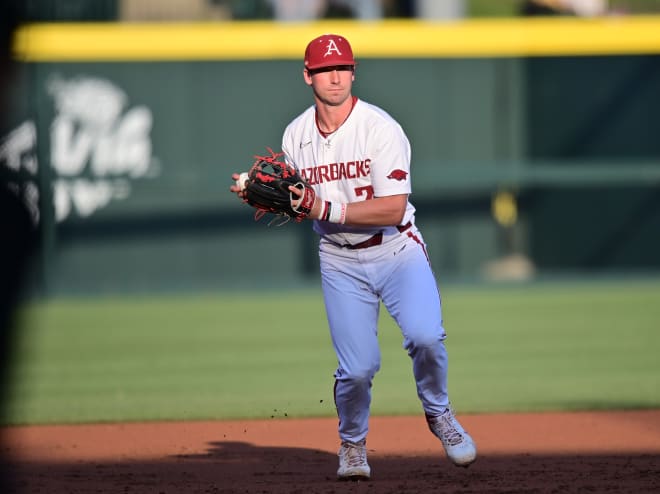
pixel 542 473
pixel 239 467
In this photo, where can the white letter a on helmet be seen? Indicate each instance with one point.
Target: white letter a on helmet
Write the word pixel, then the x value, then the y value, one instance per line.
pixel 332 47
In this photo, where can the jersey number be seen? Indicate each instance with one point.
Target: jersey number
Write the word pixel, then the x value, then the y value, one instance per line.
pixel 367 190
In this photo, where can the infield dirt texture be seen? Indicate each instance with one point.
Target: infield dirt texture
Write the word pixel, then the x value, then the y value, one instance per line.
pixel 603 452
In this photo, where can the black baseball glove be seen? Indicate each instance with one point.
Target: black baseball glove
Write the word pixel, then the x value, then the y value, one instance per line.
pixel 267 189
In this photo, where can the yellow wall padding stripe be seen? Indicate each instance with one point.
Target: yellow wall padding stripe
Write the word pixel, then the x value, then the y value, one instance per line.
pixel 266 40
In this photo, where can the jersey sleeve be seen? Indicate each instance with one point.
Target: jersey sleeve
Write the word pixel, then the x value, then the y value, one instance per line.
pixel 287 147
pixel 390 168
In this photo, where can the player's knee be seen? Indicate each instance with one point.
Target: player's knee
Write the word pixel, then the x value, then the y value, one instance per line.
pixel 423 339
pixel 360 373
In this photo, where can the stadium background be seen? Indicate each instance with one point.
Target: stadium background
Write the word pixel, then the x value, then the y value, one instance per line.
pixel 532 156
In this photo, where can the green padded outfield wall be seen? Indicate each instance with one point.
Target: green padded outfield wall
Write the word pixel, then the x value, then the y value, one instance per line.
pixel 594 111
pixel 129 137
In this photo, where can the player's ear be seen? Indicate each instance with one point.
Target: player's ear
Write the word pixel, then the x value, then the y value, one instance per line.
pixel 307 76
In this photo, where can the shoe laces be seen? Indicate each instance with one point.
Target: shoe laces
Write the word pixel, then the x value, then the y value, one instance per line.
pixel 445 427
pixel 355 454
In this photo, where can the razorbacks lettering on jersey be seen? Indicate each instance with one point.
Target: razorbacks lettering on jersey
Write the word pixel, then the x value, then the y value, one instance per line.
pixel 368 156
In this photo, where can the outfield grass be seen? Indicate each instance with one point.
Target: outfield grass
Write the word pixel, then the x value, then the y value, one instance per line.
pixel 533 347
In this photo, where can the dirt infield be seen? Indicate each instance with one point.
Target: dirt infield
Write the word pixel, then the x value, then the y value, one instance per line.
pixel 608 452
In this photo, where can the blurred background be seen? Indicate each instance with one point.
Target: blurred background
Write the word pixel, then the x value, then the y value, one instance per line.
pixel 531 162
pixel 204 10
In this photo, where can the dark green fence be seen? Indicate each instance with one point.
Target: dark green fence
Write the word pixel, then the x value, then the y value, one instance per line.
pixel 132 164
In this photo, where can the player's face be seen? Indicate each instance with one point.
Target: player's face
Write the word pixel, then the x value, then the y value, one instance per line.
pixel 331 85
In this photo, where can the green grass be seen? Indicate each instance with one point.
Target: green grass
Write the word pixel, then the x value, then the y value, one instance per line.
pixel 552 346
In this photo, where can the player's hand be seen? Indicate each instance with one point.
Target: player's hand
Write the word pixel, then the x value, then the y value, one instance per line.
pixel 235 188
pixel 296 195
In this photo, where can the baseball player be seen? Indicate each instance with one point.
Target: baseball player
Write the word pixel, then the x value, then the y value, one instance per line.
pixel 356 157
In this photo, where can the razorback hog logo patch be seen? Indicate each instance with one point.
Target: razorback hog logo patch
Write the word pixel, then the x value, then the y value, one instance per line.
pixel 398 175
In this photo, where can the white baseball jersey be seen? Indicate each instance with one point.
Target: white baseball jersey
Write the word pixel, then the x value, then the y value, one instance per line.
pixel 368 156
